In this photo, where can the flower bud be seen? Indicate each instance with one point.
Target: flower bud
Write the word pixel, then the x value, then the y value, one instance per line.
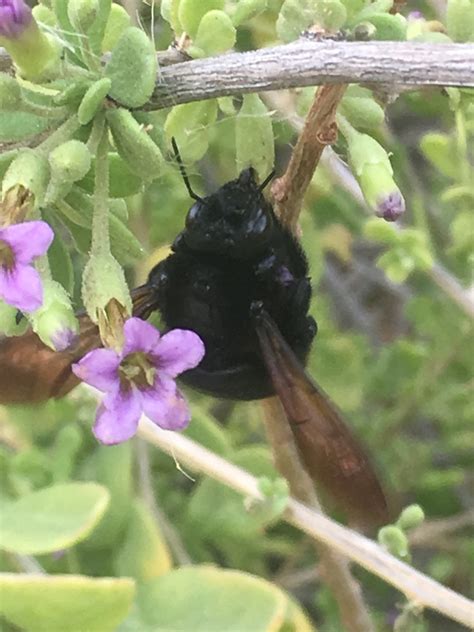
pixel 70 161
pixel 54 321
pixel 412 516
pixel 103 280
pixel 30 170
pixel 394 540
pixel 82 14
pixel 372 167
pixel 34 53
pixel 9 323
pixel 10 93
pixel 15 17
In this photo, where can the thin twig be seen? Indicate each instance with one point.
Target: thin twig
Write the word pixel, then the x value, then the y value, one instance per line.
pixel 319 130
pixel 308 63
pixel 414 585
pixel 334 568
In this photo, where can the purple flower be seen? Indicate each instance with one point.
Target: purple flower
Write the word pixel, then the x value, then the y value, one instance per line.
pixel 391 206
pixel 20 283
pixel 15 16
pixel 140 378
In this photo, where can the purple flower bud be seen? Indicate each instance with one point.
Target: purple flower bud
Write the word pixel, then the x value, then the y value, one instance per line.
pixel 390 207
pixel 415 15
pixel 15 16
pixel 62 339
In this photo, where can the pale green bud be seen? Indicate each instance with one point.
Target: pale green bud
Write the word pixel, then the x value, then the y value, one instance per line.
pixel 70 161
pixel 103 280
pixel 55 322
pixel 29 170
pixel 412 516
pixel 394 540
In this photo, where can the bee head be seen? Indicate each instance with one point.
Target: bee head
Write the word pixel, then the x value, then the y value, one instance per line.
pixel 236 220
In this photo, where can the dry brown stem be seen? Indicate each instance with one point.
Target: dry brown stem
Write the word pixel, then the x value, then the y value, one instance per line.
pixel 319 131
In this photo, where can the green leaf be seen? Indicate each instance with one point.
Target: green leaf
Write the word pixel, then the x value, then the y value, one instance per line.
pixel 440 150
pixel 215 34
pixel 78 208
pixel 190 13
pixel 15 126
pixel 53 518
pixel 122 181
pixel 93 100
pixel 460 20
pixel 389 27
pixel 112 466
pixel 363 113
pixel 247 9
pixel 188 124
pixel 132 68
pixel 297 16
pixel 69 603
pixel 169 12
pixel 205 599
pixel 254 136
pixel 144 554
pixel 117 22
pixel 134 145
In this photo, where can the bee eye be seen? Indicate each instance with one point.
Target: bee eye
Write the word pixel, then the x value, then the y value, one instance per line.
pixel 193 214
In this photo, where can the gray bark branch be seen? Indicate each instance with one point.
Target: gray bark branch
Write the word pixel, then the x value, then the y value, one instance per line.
pixel 310 63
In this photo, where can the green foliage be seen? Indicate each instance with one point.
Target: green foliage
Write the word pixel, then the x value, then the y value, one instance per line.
pixel 210 600
pixel 71 603
pixel 393 348
pixel 53 518
pixel 132 68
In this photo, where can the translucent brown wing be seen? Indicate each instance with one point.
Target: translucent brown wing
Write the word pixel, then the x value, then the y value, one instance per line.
pixel 330 452
pixel 30 372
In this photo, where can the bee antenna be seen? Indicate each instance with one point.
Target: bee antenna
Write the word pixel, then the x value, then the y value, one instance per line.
pixel 193 195
pixel 268 179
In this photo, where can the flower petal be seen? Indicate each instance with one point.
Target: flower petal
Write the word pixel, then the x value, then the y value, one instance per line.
pixel 117 418
pixel 139 336
pixel 21 287
pixel 178 351
pixel 99 368
pixel 165 406
pixel 28 239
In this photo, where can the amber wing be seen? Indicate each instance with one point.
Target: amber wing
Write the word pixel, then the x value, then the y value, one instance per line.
pixel 332 455
pixel 30 372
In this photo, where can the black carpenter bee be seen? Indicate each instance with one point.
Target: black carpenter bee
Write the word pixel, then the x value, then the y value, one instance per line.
pixel 239 279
